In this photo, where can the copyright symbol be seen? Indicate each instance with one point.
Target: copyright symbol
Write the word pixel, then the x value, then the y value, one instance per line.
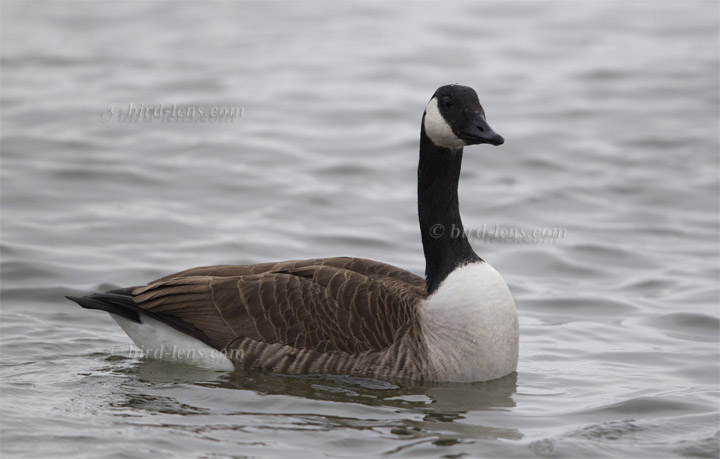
pixel 108 114
pixel 437 230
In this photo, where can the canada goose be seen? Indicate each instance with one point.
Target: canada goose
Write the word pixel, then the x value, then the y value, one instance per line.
pixel 347 315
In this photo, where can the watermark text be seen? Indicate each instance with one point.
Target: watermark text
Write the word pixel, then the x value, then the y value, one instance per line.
pixel 500 234
pixel 178 354
pixel 169 113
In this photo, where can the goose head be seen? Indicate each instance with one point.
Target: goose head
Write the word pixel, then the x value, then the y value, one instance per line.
pixel 454 119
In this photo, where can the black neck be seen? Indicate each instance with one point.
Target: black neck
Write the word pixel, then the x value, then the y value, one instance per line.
pixel 444 242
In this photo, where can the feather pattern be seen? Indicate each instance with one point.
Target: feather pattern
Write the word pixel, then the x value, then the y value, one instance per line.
pixel 329 315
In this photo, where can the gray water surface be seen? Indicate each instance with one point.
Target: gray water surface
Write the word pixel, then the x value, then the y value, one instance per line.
pixel 610 114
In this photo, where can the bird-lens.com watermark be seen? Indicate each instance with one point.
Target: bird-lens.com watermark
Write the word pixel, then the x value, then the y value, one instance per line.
pixel 178 354
pixel 169 113
pixel 500 234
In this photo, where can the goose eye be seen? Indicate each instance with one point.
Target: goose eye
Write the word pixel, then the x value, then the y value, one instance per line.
pixel 447 103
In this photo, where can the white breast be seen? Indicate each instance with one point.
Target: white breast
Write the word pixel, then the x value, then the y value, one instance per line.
pixel 471 327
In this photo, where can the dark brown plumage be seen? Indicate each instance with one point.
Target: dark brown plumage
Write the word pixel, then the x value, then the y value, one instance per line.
pixel 342 308
pixel 331 315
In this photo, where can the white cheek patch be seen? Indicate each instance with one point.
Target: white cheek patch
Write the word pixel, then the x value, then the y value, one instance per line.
pixel 438 130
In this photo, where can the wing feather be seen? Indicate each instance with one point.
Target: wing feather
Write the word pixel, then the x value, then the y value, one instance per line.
pixel 338 304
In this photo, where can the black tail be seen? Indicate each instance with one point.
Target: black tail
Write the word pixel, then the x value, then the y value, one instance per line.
pixel 118 302
pixel 121 302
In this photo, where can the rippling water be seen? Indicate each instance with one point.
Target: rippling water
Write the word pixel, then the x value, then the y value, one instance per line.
pixel 610 112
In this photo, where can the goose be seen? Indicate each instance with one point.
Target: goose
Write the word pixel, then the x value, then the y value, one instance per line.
pixel 347 316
